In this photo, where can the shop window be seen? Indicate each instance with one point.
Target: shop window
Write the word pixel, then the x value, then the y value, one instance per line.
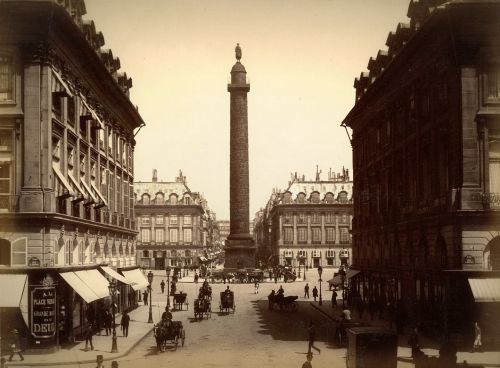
pixel 6 79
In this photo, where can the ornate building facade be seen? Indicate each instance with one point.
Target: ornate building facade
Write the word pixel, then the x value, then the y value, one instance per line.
pixel 426 127
pixel 307 224
pixel 175 225
pixel 66 170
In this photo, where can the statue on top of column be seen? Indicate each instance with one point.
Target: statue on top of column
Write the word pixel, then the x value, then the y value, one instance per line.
pixel 237 50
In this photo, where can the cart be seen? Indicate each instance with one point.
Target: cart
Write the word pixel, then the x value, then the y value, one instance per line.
pixel 202 308
pixel 227 302
pixel 169 332
pixel 180 299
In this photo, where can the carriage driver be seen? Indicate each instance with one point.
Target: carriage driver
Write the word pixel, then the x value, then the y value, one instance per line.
pixel 227 291
pixel 167 315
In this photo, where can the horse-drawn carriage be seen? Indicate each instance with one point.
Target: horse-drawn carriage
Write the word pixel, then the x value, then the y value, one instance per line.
pixel 227 301
pixel 284 303
pixel 179 300
pixel 255 275
pixel 169 332
pixel 202 307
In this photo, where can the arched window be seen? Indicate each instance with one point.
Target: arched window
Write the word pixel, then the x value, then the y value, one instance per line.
pixel 187 199
pixel 329 198
pixel 287 198
pixel 173 199
pixel 301 198
pixel 343 197
pixel 159 199
pixel 315 197
pixel 493 248
pixel 145 198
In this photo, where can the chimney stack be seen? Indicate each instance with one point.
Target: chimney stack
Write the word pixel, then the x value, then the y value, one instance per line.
pixel 155 175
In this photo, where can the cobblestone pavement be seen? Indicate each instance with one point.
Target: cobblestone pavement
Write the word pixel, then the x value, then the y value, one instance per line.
pixel 253 336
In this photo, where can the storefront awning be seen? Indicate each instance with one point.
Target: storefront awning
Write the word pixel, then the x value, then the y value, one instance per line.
pixel 63 83
pixel 79 286
pixel 99 194
pixel 12 287
pixel 93 113
pixel 138 279
pixel 351 273
pixel 485 290
pixel 116 275
pixel 95 281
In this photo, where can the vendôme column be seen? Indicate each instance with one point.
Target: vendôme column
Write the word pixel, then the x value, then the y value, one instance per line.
pixel 240 247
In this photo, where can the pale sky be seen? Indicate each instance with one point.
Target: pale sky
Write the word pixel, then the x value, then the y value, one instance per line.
pixel 301 58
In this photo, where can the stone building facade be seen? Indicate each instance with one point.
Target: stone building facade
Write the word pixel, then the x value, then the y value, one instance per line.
pixel 66 170
pixel 175 224
pixel 426 129
pixel 308 223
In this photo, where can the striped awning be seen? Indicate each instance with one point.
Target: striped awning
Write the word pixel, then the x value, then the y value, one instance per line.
pixel 485 290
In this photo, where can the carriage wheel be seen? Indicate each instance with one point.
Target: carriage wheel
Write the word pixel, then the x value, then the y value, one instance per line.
pixel 183 336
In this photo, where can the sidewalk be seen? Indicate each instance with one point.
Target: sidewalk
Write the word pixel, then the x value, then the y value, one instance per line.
pixel 138 329
pixel 430 347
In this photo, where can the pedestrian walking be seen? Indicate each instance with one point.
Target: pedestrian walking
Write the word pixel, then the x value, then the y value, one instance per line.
pixel 145 297
pixel 162 286
pixel 15 346
pixel 256 287
pixel 125 323
pixel 334 299
pixel 195 277
pixel 315 293
pixel 306 291
pixel 311 331
pixel 173 288
pixel 477 346
pixel 88 337
pixel 107 322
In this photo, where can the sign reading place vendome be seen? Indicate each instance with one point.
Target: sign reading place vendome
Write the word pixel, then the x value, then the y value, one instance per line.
pixel 43 311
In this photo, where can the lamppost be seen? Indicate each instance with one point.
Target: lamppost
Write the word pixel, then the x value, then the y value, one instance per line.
pixel 112 292
pixel 342 277
pixel 320 271
pixel 167 270
pixel 150 290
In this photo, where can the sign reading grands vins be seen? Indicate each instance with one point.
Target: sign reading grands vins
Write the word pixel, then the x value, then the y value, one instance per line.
pixel 43 312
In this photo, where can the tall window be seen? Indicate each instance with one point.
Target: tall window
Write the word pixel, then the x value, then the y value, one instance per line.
pixel 329 218
pixel 174 236
pixel 344 235
pixel 159 235
pixel 145 235
pixel 159 220
pixel 6 86
pixel 316 234
pixel 315 218
pixel 494 163
pixel 188 235
pixel 288 235
pixel 330 234
pixel 19 252
pixel 6 176
pixel 302 235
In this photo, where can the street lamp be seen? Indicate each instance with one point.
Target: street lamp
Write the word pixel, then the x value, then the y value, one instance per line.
pixel 342 277
pixel 320 271
pixel 113 288
pixel 167 270
pixel 150 290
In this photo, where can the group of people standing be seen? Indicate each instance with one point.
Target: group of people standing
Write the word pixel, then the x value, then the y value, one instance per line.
pixel 104 319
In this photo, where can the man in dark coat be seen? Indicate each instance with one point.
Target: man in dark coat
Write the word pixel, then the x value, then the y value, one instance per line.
pixel 108 318
pixel 162 285
pixel 125 323
pixel 315 293
pixel 88 337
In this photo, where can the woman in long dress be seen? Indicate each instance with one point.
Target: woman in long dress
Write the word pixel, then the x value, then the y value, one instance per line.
pixel 477 338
